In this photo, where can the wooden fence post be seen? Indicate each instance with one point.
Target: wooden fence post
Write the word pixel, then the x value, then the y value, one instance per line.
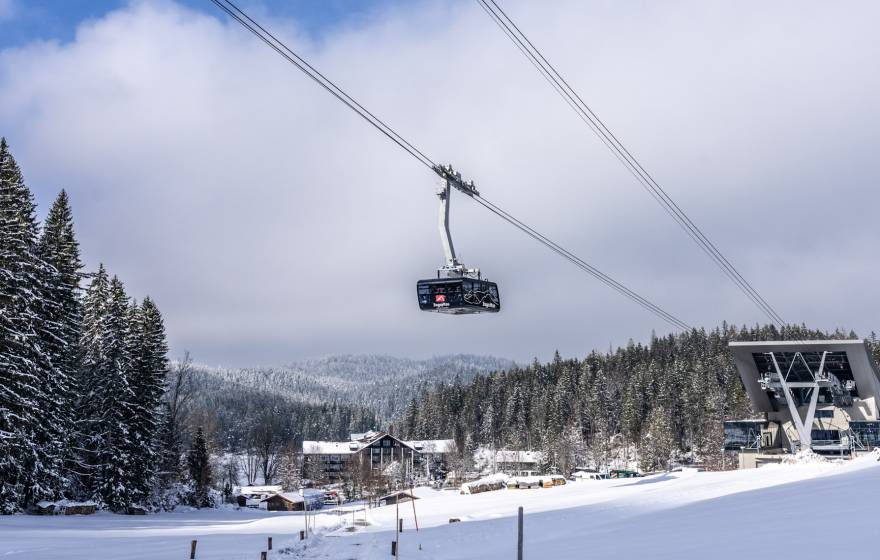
pixel 394 548
pixel 401 524
pixel 302 535
pixel 263 555
pixel 519 536
pixel 270 543
pixel 192 550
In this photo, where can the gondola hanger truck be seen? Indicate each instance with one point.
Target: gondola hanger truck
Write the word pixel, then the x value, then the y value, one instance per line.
pixel 457 289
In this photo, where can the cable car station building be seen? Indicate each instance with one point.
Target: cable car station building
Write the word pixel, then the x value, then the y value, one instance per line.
pixel 817 395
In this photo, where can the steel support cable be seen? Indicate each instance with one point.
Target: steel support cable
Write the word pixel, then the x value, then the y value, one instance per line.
pixel 278 46
pixel 573 99
pixel 593 271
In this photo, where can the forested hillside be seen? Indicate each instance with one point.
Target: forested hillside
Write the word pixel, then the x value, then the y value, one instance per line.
pixel 382 385
pixel 654 402
pixel 233 413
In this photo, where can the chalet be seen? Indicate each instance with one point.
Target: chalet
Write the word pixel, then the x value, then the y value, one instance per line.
pixel 251 496
pixel 377 451
pixel 310 499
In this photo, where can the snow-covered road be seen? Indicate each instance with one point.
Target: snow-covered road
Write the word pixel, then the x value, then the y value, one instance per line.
pixel 684 516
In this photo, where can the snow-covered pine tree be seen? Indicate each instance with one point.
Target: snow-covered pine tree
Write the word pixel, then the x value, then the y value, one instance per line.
pixel 147 376
pixel 90 384
pixel 109 406
pixel 60 330
pixel 657 444
pixel 199 463
pixel 25 464
pixel 515 419
pixel 120 452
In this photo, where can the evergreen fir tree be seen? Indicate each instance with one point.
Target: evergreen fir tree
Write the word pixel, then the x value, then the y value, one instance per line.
pixel 61 323
pixel 28 469
pixel 147 373
pixel 198 461
pixel 117 449
pixel 90 383
pixel 657 444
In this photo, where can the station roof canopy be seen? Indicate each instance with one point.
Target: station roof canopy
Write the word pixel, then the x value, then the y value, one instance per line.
pixel 846 359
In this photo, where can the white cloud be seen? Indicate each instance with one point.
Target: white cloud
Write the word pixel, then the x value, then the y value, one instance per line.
pixel 270 223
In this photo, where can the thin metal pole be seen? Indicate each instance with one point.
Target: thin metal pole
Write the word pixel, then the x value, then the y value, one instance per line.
pixel 519 536
pixel 397 527
pixel 412 491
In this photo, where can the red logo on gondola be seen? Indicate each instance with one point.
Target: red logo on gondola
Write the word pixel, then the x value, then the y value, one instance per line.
pixel 440 298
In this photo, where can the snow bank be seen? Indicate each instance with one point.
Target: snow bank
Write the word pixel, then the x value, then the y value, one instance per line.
pixel 804 457
pixel 673 516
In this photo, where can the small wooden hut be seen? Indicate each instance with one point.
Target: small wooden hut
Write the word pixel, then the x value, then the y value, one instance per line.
pixel 396 498
pixel 293 501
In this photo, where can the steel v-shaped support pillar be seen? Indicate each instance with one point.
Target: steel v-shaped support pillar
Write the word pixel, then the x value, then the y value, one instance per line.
pixel 804 426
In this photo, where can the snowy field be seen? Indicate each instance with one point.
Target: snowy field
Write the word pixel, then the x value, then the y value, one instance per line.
pixel 687 515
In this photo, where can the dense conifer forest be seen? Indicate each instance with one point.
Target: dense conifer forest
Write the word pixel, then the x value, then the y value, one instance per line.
pixel 82 374
pixel 650 404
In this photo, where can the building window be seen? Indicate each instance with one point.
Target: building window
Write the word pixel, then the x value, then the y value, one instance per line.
pixel 824 435
pixel 868 433
pixel 828 413
pixel 742 434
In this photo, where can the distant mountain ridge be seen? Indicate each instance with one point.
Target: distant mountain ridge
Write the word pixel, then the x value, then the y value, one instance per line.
pixel 385 384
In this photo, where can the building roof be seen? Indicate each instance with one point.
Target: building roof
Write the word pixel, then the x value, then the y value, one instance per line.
pixel 432 445
pixel 853 355
pixel 331 447
pixel 310 493
pixel 360 441
pixel 404 493
pixel 368 435
pixel 257 489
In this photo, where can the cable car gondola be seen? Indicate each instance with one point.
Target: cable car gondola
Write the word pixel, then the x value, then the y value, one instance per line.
pixel 458 295
pixel 456 290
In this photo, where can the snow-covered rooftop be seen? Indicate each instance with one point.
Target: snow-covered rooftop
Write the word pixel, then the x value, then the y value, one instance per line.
pixel 257 489
pixel 351 447
pixel 432 445
pixel 310 493
pixel 331 447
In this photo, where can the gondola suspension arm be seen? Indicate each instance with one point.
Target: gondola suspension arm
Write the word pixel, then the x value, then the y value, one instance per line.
pixel 450 178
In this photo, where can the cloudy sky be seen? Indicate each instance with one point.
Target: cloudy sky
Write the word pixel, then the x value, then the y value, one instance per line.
pixel 271 224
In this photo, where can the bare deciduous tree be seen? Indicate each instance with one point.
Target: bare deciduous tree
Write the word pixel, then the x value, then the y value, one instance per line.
pixel 267 438
pixel 249 463
pixel 178 394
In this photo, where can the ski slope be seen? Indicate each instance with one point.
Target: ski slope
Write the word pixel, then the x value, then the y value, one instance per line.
pixel 814 510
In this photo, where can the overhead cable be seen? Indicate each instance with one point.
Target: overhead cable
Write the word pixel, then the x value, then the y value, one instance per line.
pixel 574 100
pixel 583 265
pixel 278 46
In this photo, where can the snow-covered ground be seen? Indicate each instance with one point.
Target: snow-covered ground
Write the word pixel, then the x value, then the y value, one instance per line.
pixel 812 510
